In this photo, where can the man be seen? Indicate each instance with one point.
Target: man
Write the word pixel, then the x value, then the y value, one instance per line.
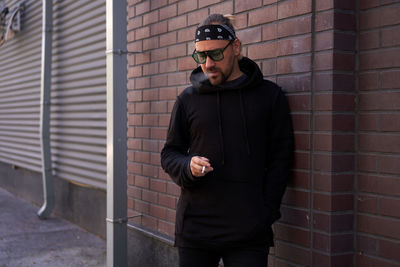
pixel 229 147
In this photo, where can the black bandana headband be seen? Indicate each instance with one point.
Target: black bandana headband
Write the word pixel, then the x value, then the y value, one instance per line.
pixel 214 32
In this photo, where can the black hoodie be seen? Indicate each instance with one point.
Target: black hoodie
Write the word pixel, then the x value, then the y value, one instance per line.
pixel 246 132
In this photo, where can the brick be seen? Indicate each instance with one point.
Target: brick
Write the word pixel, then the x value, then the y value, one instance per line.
pixel 334 122
pixel 269 67
pixel 299 102
pixel 294 26
pixel 293 8
pixel 262 15
pixel 177 51
pixel 158 212
pixel 262 51
pixel 241 6
pixel 178 78
pixel 152 146
pixel 333 203
pixel 295 45
pixel 142 7
pixel 158 133
pixel 149 221
pixel 166 228
pixel 334 102
pixel 300 179
pixel 134 72
pixel 143 157
pixel 379 184
pixel 368 81
pixel 390 207
pixel 156 4
pixel 336 61
pixel 158 107
pixel 141 181
pixel 268 2
pixel 225 7
pixel 205 3
pixel 369 40
pixel 158 186
pixel 333 182
pixel 334 142
pixel 333 223
pixel 168 12
pixel 379 143
pixel 297 197
pixel 142 107
pixel 366 244
pixel 379 101
pixel 167 201
pixel 367 163
pixel 334 163
pixel 338 243
pixel 159 28
pixel 367 203
pixel 366 4
pixel 150 18
pixel 134 144
pixel 143 58
pixel 168 39
pixel 301 122
pixel 158 81
pixel 194 18
pixel 328 81
pixel 149 196
pixel 269 32
pixel 135 47
pixel 297 236
pixel 365 260
pixel 390 79
pixel 177 23
pixel 295 83
pixel 294 64
pixel 380 59
pixel 329 4
pixel 173 189
pixel 168 66
pixel 186 35
pixel 379 17
pixel 389 164
pixel 159 54
pixel 142 33
pixel 293 216
pixel 302 141
pixel 390 122
pixel 251 35
pixel 301 160
pixel 186 6
pixel 297 255
pixel 186 63
pixel 135 168
pixel 378 226
pixel 389 249
pixel 150 69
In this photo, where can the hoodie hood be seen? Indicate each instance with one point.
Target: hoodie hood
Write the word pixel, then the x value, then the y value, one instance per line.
pixel 201 83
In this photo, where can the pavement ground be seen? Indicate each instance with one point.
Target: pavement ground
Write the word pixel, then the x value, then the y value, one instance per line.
pixel 26 241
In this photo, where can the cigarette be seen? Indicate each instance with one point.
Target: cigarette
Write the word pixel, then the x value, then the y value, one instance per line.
pixel 203 169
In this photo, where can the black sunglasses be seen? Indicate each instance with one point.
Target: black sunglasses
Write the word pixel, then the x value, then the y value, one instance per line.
pixel 215 55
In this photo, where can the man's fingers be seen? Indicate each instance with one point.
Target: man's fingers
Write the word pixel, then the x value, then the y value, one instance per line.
pixel 200 166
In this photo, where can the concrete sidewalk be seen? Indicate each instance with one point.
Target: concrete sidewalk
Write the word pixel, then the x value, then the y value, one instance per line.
pixel 25 240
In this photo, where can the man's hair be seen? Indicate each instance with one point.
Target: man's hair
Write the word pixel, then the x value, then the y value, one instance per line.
pixel 219 19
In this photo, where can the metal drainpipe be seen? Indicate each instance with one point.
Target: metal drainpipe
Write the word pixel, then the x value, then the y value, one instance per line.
pixel 116 22
pixel 45 89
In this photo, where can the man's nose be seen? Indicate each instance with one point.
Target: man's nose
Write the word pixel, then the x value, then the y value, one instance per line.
pixel 209 62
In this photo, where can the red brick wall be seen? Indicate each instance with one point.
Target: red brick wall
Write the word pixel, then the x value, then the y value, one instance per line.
pixel 378 179
pixel 345 130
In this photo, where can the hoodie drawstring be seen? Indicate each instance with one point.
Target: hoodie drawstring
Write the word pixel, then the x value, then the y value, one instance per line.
pixel 221 138
pixel 244 122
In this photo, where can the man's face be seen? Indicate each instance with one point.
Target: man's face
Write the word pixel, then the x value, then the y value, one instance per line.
pixel 218 72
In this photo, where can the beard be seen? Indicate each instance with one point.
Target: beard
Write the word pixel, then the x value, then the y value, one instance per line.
pixel 216 76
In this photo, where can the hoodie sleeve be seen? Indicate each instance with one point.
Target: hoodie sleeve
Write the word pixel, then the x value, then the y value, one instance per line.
pixel 175 159
pixel 280 159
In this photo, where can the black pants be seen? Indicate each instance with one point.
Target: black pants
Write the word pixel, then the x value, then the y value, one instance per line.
pixel 237 257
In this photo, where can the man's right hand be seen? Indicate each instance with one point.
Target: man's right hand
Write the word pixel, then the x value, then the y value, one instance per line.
pixel 200 166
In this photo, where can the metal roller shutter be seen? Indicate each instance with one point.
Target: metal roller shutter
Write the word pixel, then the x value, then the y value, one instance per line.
pixel 78 97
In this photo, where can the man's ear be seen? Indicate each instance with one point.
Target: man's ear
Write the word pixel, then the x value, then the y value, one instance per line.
pixel 237 47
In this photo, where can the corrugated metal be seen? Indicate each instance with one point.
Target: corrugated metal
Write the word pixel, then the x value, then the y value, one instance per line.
pixel 78 104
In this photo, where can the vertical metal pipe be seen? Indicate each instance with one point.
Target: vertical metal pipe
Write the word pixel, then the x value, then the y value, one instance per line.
pixel 116 19
pixel 45 90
